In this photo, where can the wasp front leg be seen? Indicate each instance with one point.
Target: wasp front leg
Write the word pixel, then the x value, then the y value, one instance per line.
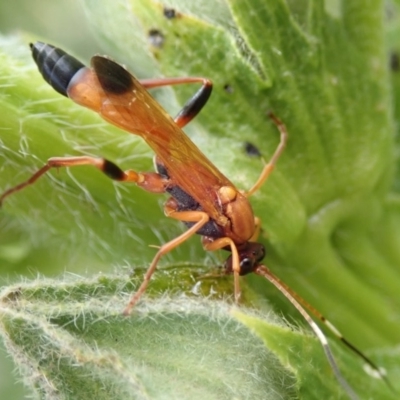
pixel 150 181
pixel 257 230
pixel 221 243
pixel 198 218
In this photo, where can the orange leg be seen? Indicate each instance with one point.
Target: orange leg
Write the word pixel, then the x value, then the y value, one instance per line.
pixel 257 229
pixel 200 218
pixel 151 181
pixel 268 168
pixel 220 244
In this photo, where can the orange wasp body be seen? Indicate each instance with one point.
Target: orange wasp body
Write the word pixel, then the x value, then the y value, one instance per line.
pixel 200 195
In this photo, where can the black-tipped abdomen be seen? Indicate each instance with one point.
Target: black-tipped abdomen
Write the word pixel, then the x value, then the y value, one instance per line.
pixel 56 66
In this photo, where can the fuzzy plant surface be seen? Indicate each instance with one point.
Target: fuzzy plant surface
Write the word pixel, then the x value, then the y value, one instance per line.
pixel 330 211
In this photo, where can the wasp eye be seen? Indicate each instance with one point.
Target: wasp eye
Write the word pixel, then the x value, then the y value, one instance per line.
pixel 246 266
pixel 261 254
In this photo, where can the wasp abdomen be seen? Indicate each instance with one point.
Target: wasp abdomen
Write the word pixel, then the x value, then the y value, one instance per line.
pixel 56 66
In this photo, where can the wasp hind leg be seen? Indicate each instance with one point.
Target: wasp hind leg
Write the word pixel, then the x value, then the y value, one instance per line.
pixel 194 105
pixel 150 181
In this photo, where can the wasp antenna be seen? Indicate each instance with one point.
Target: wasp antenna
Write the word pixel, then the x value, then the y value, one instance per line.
pixel 292 296
pixel 339 335
pixel 262 270
pixel 354 349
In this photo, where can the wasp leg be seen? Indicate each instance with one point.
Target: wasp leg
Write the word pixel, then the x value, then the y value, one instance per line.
pixel 151 181
pixel 194 104
pixel 268 168
pixel 199 218
pixel 220 243
pixel 257 230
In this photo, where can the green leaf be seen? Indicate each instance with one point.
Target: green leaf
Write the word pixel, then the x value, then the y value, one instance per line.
pixel 70 338
pixel 168 348
pixel 329 212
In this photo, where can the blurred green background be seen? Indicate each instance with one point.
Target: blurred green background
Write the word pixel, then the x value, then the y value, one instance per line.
pixel 63 22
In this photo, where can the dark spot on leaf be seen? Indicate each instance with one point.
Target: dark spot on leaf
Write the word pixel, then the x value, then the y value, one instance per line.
pixel 156 38
pixel 228 88
pixel 251 150
pixel 394 62
pixel 169 13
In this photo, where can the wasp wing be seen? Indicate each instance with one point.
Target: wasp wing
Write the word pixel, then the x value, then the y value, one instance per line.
pixel 120 99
